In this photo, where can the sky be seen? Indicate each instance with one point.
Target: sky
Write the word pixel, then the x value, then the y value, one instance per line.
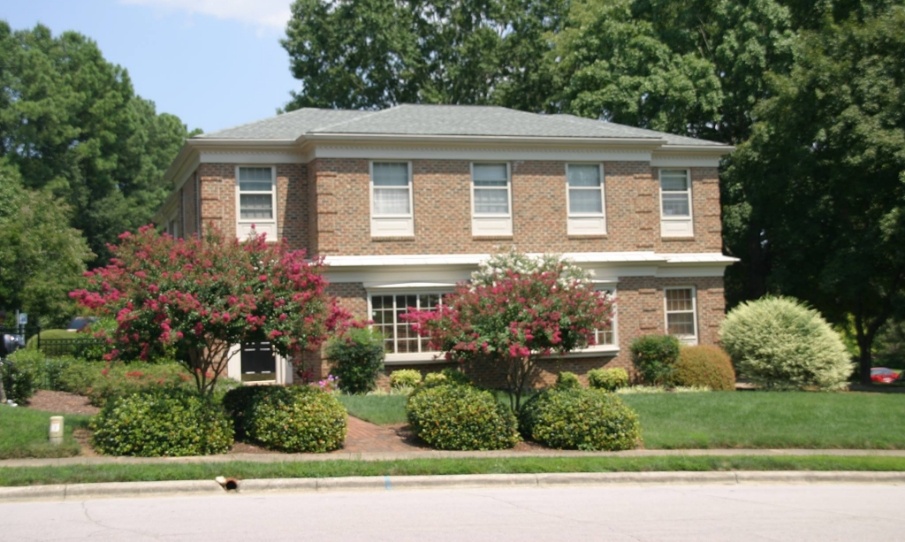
pixel 213 63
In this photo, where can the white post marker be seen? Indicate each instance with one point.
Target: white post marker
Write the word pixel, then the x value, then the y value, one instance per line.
pixel 56 430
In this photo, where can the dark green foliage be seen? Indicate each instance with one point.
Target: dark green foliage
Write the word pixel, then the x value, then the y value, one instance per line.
pixel 300 419
pixel 357 359
pixel 457 417
pixel 19 382
pixel 46 371
pixel 608 379
pixel 704 365
pixel 162 422
pixel 580 419
pixel 655 357
pixel 567 380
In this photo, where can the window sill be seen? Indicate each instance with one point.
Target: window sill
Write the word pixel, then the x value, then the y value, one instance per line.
pixel 421 358
pixel 594 352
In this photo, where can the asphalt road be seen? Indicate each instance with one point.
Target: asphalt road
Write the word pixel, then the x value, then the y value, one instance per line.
pixel 822 511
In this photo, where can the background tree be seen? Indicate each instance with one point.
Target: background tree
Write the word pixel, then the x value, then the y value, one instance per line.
pixel 368 54
pixel 71 123
pixel 204 295
pixel 516 311
pixel 41 257
pixel 826 168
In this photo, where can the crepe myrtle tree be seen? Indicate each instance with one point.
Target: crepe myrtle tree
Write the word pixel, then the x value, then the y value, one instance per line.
pixel 197 297
pixel 517 310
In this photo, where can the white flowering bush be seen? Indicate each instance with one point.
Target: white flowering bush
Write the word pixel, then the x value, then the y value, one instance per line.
pixel 778 343
pixel 500 265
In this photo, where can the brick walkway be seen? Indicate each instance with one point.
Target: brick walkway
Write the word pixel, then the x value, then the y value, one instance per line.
pixel 367 437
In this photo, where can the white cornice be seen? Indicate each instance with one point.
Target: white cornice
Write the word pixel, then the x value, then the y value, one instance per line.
pixel 399 271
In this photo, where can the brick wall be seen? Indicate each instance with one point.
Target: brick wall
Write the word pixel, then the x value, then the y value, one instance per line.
pixel 442 210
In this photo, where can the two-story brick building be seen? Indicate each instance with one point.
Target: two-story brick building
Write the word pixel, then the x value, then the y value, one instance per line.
pixel 403 203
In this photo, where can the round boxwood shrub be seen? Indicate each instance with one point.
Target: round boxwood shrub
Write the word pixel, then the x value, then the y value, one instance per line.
pixel 461 417
pixel 161 422
pixel 704 366
pixel 580 419
pixel 778 343
pixel 567 379
pixel 289 419
pixel 608 379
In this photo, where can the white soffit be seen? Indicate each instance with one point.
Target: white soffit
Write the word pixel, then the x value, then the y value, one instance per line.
pixel 488 152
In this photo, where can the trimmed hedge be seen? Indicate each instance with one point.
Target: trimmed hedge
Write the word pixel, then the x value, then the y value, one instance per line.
pixel 704 365
pixel 580 419
pixel 655 356
pixel 163 422
pixel 295 419
pixel 405 379
pixel 567 380
pixel 357 359
pixel 608 379
pixel 459 417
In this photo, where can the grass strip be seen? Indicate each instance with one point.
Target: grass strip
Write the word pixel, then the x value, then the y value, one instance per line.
pixel 25 434
pixel 80 474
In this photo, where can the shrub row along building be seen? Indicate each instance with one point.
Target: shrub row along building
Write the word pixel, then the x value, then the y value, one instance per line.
pixel 403 203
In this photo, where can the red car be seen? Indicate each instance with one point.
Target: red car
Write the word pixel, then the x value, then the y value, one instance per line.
pixel 883 375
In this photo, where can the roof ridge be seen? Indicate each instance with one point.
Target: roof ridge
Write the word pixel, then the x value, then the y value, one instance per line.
pixel 244 124
pixel 365 115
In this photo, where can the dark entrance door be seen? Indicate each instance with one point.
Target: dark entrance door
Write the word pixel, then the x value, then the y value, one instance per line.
pixel 258 362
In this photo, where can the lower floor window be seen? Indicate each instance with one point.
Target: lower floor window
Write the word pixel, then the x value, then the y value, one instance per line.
pixel 607 337
pixel 399 337
pixel 680 314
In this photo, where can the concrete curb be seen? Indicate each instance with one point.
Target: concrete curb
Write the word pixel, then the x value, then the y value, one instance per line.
pixel 392 483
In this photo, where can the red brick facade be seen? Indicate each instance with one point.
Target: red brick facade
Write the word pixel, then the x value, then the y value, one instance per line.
pixel 323 206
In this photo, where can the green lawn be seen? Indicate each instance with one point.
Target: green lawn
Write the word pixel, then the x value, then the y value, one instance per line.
pixel 771 420
pixel 379 409
pixel 25 434
pixel 734 419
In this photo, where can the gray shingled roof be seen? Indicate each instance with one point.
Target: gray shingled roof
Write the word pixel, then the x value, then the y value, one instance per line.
pixel 440 120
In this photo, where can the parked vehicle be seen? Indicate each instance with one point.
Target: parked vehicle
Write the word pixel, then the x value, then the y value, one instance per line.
pixel 883 375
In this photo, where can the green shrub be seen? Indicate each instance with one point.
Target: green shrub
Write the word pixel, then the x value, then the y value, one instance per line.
pixel 580 419
pixel 567 380
pixel 45 371
pixel 19 382
pixel 78 375
pixel 654 357
pixel 704 366
pixel 434 379
pixel 456 417
pixel 405 378
pixel 608 379
pixel 162 422
pixel 125 379
pixel 778 343
pixel 294 419
pixel 357 359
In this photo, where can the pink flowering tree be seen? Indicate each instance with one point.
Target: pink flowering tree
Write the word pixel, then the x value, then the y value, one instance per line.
pixel 516 311
pixel 197 297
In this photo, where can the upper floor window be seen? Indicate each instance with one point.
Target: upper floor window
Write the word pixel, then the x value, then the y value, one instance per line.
pixel 586 199
pixel 675 203
pixel 491 200
pixel 681 314
pixel 256 201
pixel 399 337
pixel 391 199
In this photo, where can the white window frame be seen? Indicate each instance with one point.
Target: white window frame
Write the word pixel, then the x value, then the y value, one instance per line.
pixel 610 348
pixel 491 224
pixel 261 225
pixel 393 357
pixel 684 338
pixel 586 223
pixel 392 224
pixel 676 225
